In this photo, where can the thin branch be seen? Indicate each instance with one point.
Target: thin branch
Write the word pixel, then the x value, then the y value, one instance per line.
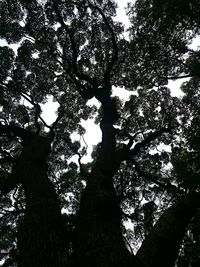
pixel 79 87
pixel 114 58
pixel 178 77
pixel 75 150
pixel 152 136
pixel 168 187
pixel 74 49
pixel 73 70
pixel 36 106
pixel 84 141
pixel 127 242
pixel 131 138
pixel 55 123
pixel 37 110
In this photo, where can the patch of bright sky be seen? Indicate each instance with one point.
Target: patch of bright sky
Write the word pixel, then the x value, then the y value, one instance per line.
pixel 175 87
pixel 195 43
pixel 48 111
pixel 121 13
pixel 13 46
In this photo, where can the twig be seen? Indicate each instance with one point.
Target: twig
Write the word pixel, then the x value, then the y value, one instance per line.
pixel 152 136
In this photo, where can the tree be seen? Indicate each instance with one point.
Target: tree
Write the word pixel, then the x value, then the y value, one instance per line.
pixel 60 213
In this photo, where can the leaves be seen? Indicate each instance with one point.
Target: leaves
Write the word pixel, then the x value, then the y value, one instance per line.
pixel 69 60
pixel 6 59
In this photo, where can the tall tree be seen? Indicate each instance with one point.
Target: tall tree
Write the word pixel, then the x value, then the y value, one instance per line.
pixel 56 211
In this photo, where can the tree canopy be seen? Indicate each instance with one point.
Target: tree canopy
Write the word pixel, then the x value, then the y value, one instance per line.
pixel 136 202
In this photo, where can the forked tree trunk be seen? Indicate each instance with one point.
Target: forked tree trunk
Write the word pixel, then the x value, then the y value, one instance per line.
pixel 41 235
pixel 161 246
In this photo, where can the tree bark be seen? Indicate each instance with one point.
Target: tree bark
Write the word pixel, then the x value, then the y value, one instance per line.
pixel 99 241
pixel 161 246
pixel 41 234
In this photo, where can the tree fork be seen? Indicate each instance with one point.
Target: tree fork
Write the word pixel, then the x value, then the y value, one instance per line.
pixel 99 241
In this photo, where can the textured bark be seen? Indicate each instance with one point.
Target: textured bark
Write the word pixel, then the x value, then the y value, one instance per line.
pixel 41 235
pixel 161 246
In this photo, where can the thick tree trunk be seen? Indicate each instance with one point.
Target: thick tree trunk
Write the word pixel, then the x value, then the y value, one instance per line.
pixel 99 240
pixel 161 246
pixel 41 238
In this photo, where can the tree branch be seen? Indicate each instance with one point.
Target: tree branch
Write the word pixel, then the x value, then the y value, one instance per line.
pixel 114 58
pixel 152 136
pixel 55 123
pixel 168 187
pixel 74 49
pixel 36 106
pixel 177 77
pixel 125 153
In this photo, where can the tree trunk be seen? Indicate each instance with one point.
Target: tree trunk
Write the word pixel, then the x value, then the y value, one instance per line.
pixel 99 240
pixel 41 238
pixel 161 246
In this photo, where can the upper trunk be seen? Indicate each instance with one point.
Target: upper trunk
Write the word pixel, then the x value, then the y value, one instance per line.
pixel 41 240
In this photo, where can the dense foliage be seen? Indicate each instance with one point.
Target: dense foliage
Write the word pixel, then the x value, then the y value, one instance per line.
pixel 69 52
